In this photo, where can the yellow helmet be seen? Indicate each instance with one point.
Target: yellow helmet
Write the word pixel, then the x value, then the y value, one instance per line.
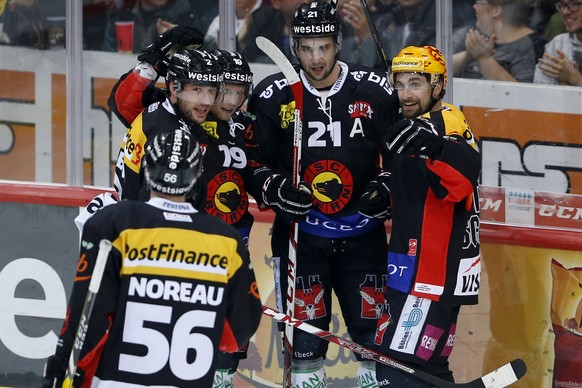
pixel 424 59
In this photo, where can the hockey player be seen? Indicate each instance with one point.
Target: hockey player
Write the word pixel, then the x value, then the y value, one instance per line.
pixel 178 284
pixel 193 80
pixel 225 168
pixel 221 137
pixel 346 112
pixel 225 160
pixel 433 259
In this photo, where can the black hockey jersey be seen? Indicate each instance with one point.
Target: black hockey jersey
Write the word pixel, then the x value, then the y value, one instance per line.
pixel 341 142
pixel 225 170
pixel 129 180
pixel 434 244
pixel 176 285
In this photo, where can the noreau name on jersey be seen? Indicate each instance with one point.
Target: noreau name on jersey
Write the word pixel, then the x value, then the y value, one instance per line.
pixel 177 291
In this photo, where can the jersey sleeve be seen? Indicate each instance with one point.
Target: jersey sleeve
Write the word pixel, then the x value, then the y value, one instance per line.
pixel 262 137
pixel 454 172
pixel 134 91
pixel 244 307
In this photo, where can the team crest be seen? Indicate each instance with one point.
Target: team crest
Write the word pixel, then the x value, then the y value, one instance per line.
pixel 309 302
pixel 226 197
pixel 332 185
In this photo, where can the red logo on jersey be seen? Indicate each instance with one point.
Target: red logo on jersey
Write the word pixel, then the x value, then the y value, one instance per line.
pixel 383 322
pixel 360 109
pixel 372 294
pixel 332 185
pixel 226 197
pixel 412 244
pixel 309 300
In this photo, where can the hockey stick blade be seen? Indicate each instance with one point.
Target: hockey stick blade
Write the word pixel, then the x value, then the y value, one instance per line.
pixel 279 58
pixel 499 378
pixel 292 77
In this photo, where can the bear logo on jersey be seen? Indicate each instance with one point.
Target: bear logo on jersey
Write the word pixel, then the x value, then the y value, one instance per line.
pixel 332 185
pixel 226 197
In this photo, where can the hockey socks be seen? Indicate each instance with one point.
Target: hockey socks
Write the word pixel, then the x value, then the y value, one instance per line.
pixel 308 374
pixel 367 375
pixel 223 378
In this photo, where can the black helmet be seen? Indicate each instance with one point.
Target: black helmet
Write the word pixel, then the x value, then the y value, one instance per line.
pixel 318 18
pixel 194 66
pixel 173 162
pixel 235 69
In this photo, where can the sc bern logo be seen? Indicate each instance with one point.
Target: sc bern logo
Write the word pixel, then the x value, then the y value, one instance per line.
pixel 332 185
pixel 226 197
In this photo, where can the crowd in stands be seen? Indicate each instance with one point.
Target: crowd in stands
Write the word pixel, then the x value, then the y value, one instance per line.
pixel 506 40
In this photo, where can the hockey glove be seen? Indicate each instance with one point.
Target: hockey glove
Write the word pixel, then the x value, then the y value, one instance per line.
pixel 159 53
pixel 280 195
pixel 375 202
pixel 413 137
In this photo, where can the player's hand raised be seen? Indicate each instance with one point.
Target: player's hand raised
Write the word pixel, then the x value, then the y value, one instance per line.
pixel 159 53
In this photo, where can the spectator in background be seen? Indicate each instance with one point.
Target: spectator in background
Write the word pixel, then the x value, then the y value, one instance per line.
pixel 561 63
pixel 463 14
pixel 410 23
pixel 502 47
pixel 150 17
pixel 244 10
pixel 540 13
pixel 355 27
pixel 206 10
pixel 24 24
pixel 94 18
pixel 554 27
pixel 274 23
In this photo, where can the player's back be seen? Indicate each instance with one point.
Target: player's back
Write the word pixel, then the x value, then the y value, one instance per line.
pixel 175 265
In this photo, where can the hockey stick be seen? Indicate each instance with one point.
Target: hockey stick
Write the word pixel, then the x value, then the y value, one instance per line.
pixel 375 36
pixel 499 378
pixel 297 89
pixel 96 276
